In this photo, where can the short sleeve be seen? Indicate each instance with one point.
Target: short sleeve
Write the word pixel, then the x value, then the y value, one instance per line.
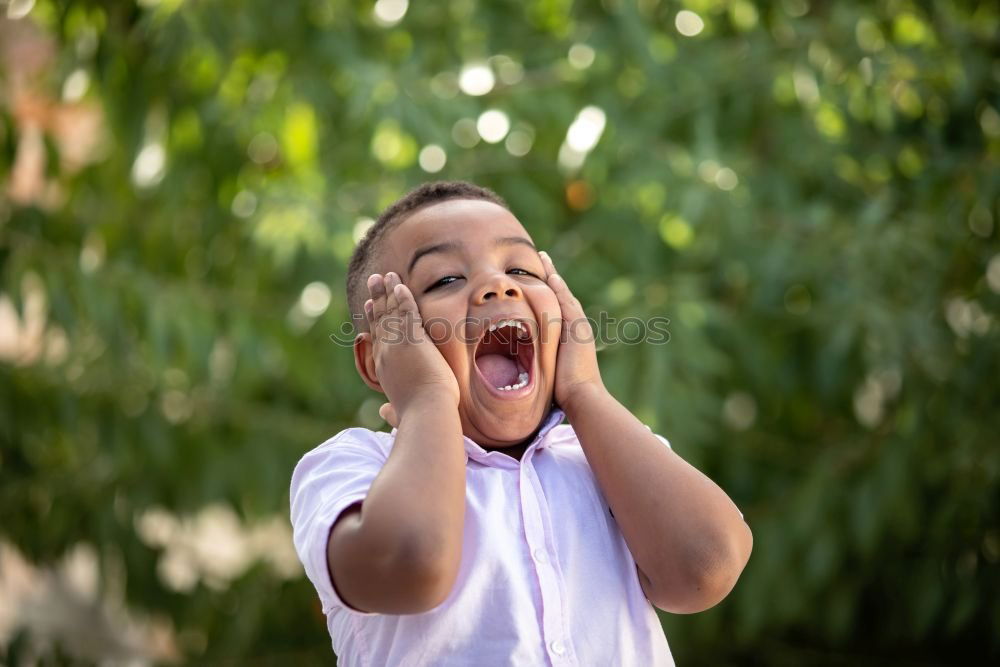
pixel 327 481
pixel 660 437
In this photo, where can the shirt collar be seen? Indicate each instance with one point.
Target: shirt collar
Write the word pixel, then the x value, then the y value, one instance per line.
pixel 496 457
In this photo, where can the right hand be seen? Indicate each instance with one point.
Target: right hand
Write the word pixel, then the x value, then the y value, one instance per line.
pixel 407 362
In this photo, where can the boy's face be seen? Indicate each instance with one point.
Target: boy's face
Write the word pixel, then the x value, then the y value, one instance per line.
pixel 470 264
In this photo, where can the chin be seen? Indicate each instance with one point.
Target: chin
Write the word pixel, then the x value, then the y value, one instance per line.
pixel 505 427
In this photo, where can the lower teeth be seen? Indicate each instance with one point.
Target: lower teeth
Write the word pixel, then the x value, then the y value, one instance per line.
pixel 522 381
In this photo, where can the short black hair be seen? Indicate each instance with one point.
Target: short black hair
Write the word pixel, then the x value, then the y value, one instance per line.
pixel 366 252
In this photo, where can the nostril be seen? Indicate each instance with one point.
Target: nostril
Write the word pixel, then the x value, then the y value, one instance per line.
pixel 511 292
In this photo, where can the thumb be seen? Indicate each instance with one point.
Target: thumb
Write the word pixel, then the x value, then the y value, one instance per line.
pixel 388 413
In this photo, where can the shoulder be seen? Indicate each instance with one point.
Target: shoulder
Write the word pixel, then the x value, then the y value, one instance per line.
pixel 351 448
pixel 358 437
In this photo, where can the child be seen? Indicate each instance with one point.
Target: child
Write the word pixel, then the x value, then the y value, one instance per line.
pixel 482 530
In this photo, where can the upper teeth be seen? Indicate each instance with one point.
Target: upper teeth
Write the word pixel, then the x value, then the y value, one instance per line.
pixel 508 323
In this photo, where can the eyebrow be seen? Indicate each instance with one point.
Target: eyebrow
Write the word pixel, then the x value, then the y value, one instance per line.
pixel 452 246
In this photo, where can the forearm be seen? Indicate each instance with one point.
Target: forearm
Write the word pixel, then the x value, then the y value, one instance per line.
pixel 415 509
pixel 684 532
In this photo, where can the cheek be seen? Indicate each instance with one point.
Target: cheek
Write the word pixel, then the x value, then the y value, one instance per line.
pixel 438 321
pixel 548 314
pixel 447 334
pixel 545 304
pixel 457 358
pixel 440 330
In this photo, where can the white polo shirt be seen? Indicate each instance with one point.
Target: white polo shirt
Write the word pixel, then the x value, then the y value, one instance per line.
pixel 545 576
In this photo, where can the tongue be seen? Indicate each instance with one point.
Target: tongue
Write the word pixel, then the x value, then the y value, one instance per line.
pixel 500 371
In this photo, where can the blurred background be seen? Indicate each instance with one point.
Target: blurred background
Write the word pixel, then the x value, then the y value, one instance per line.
pixel 808 190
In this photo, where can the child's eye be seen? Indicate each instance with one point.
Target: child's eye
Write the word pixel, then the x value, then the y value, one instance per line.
pixel 522 272
pixel 447 280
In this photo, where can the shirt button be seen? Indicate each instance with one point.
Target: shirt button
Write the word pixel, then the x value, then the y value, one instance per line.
pixel 539 555
pixel 557 647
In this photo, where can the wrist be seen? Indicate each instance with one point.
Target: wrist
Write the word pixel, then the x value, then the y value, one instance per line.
pixel 430 401
pixel 582 398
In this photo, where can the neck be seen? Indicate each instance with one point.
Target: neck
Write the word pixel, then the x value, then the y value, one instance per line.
pixel 517 451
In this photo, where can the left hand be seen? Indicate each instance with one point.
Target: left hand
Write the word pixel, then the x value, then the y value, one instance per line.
pixel 576 366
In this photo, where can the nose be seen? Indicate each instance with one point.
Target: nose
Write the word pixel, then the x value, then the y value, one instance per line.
pixel 498 286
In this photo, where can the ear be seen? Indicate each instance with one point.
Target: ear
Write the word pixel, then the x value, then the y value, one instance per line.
pixel 364 361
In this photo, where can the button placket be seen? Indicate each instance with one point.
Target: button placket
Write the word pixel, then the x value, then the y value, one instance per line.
pixel 553 621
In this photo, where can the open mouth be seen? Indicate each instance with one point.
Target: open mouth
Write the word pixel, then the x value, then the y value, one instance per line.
pixel 504 358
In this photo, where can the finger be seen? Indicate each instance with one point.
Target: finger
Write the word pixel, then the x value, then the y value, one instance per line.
pixel 391 303
pixel 404 297
pixel 388 413
pixel 569 304
pixel 547 264
pixel 370 315
pixel 376 287
pixel 409 313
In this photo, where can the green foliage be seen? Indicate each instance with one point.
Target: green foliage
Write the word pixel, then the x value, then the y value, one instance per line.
pixel 808 190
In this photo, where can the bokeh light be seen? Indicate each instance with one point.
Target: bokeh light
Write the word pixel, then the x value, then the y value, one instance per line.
pixel 726 179
pixel 586 129
pixel 18 9
pixel 493 126
pixel 76 85
pixel 519 141
pixel 688 23
pixel 315 299
pixel 581 56
pixel 476 79
pixel 390 12
pixel 149 166
pixel 432 158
